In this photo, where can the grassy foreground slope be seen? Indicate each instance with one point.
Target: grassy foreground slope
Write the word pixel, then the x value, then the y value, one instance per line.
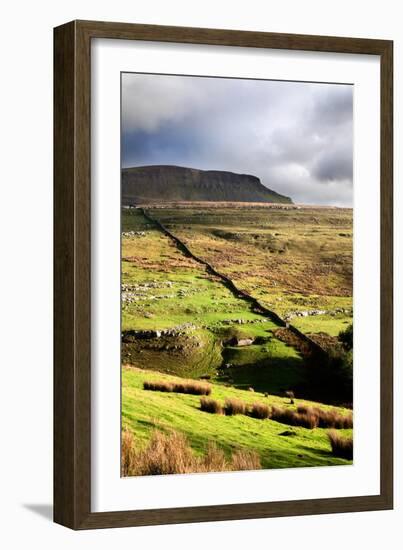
pixel 143 411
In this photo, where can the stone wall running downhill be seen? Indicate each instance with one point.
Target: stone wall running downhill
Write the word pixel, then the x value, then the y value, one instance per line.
pixel 259 308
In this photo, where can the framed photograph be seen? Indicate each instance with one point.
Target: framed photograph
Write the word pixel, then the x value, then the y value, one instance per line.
pixel 222 275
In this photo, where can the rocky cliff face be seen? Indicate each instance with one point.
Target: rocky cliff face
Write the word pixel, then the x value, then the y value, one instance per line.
pixel 146 184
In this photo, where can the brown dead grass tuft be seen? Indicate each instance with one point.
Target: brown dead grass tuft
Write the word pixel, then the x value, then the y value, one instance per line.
pixel 333 419
pixel 341 446
pixel 186 386
pixel 170 453
pixel 214 460
pixel 211 406
pixel 234 406
pixel 245 460
pixel 128 458
pixel 312 417
pixel 158 386
pixel 259 410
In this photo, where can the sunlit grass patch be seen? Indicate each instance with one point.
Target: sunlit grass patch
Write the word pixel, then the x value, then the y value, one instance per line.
pixel 145 411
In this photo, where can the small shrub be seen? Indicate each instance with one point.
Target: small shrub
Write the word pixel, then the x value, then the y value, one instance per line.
pixel 346 337
pixel 234 406
pixel 259 410
pixel 211 406
pixel 341 446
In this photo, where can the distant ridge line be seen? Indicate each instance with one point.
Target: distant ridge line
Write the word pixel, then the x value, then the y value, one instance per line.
pixel 167 183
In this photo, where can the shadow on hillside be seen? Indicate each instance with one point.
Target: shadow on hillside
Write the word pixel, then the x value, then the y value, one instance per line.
pixel 274 376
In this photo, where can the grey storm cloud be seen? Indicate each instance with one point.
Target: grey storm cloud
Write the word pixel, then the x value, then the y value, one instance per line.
pixel 296 137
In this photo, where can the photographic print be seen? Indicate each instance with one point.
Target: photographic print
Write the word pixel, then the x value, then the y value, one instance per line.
pixel 236 274
pixel 210 187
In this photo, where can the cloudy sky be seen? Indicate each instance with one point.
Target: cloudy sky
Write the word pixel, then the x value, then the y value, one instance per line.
pixel 296 137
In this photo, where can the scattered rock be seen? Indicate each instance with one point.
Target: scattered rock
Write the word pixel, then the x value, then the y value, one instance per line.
pixel 308 313
pixel 240 342
pixel 133 234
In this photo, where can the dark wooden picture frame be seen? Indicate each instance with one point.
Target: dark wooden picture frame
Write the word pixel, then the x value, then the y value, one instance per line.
pixel 72 269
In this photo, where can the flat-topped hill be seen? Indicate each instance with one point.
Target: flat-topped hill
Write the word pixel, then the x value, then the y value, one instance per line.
pixel 144 184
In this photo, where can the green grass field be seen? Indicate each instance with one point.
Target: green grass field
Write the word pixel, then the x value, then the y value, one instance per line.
pixel 171 290
pixel 179 320
pixel 331 325
pixel 143 411
pixel 291 259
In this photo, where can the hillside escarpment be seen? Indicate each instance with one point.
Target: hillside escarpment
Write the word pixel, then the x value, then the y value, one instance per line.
pixel 144 184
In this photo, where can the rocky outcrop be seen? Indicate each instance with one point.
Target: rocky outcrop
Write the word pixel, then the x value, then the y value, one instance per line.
pixel 179 330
